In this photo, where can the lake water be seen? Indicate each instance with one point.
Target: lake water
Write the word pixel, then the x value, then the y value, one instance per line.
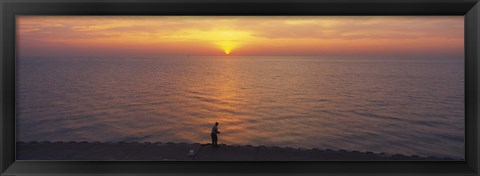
pixel 397 106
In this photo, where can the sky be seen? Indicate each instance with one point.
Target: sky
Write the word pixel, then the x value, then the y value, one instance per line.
pixel 329 36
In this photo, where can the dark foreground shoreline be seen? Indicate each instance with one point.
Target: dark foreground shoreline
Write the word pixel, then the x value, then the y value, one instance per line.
pixel 182 152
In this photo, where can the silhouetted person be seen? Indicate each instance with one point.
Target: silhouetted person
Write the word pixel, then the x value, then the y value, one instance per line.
pixel 214 134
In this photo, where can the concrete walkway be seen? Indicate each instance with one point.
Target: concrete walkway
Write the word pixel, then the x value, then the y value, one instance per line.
pixel 184 151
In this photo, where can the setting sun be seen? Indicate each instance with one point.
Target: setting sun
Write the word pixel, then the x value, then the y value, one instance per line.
pixel 227 51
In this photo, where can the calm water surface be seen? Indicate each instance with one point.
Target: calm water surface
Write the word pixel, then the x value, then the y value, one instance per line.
pixel 403 106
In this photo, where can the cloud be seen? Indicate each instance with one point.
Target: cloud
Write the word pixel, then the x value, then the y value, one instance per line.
pixel 297 34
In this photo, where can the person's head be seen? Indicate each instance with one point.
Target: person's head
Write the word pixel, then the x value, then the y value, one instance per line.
pixel 216 123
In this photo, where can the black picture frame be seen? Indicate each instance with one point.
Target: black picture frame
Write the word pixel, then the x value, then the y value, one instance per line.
pixel 11 8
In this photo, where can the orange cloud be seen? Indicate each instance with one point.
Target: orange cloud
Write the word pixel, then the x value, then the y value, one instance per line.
pixel 439 36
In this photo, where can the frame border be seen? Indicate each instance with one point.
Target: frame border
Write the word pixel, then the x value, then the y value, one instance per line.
pixel 10 8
